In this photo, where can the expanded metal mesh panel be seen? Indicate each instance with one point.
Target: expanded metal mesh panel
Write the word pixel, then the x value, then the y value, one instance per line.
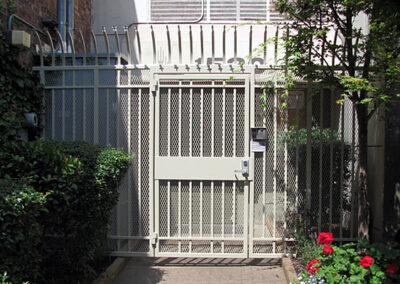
pixel 207 122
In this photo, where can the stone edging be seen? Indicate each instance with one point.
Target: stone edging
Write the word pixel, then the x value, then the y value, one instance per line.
pixel 288 270
pixel 112 271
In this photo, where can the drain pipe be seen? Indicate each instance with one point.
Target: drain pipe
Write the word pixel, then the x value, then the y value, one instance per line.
pixel 70 23
pixel 61 18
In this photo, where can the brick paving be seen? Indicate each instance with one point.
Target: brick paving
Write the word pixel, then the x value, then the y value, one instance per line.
pixel 194 270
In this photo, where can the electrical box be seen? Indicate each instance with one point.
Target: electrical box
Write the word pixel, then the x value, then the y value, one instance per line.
pixel 258 133
pixel 19 38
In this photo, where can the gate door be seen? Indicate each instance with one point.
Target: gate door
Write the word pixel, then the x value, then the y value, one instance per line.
pixel 201 148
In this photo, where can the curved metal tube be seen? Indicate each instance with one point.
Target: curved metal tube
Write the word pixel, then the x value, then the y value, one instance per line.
pixel 40 47
pixel 138 44
pixel 53 58
pixel 62 47
pixel 117 39
pixel 83 45
pixel 69 36
pixel 107 44
pixel 95 47
pixel 128 43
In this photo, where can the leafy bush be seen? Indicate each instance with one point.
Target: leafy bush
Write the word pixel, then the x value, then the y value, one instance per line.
pixel 353 263
pixel 79 181
pixel 21 232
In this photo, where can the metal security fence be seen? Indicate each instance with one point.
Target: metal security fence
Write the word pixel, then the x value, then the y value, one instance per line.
pixel 224 164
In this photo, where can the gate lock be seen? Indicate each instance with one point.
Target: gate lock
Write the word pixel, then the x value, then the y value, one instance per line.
pixel 245 168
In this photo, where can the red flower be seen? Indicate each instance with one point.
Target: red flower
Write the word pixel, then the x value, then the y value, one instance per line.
pixel 325 238
pixel 392 268
pixel 366 261
pixel 327 249
pixel 313 265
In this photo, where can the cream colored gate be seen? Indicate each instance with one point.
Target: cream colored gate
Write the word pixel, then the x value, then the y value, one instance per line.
pixel 202 165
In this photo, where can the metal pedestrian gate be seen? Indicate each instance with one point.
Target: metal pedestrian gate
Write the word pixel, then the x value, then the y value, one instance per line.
pixel 202 158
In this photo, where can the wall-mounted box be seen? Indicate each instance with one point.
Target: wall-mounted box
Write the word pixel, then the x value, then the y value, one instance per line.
pixel 19 38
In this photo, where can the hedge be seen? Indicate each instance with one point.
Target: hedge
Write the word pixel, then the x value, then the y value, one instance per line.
pixel 78 182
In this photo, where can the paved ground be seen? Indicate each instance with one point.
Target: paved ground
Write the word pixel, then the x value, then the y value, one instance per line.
pixel 194 270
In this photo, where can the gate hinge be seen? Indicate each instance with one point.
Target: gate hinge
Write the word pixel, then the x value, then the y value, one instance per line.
pixel 153 238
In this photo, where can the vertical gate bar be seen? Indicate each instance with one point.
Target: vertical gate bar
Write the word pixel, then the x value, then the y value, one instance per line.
pixel 234 123
pixel 169 209
pixel 63 107
pixel 139 48
pixel 275 161
pixel 169 123
pixel 321 116
pixel 212 121
pixel 201 209
pixel 180 121
pixel 118 130
pixel 179 215
pixel 96 105
pixel 223 122
pixel 156 153
pixel 308 147
pixel 139 160
pixel 247 117
pixel 341 171
pixel 73 106
pixel 190 215
pixel 53 114
pixel 286 172
pixel 246 218
pixel 353 142
pixel 201 121
pixel 191 122
pixel 84 115
pixel 234 210
pixel 250 107
pixel 223 217
pixel 264 171
pixel 212 216
pixel 332 104
pixel 156 213
pixel 151 99
pixel 130 167
pixel 297 152
pixel 107 130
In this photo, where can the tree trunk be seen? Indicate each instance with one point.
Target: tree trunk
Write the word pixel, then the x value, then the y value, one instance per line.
pixel 363 204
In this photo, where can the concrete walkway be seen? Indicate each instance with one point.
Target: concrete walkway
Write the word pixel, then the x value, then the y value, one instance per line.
pixel 195 270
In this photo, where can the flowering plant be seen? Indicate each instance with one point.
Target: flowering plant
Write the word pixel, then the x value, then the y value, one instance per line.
pixel 352 263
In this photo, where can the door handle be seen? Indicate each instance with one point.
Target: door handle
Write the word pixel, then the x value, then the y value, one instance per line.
pixel 245 167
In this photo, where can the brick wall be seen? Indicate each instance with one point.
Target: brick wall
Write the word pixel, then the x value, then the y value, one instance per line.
pixel 34 10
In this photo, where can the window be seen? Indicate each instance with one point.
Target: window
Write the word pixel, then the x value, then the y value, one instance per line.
pixel 214 11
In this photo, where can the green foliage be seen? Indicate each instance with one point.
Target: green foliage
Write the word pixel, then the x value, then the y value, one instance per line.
pixel 20 92
pixel 343 265
pixel 79 183
pixel 21 233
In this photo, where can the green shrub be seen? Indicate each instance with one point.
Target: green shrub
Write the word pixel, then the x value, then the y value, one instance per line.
pixel 21 232
pixel 80 183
